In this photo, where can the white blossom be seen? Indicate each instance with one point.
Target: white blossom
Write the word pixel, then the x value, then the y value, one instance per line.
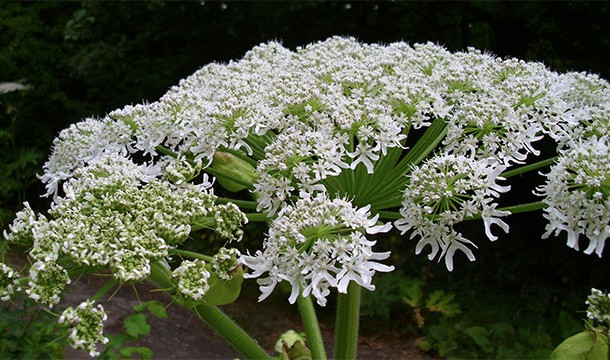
pixel 445 190
pixel 598 309
pixel 192 278
pixel 317 244
pixel 85 326
pixel 577 194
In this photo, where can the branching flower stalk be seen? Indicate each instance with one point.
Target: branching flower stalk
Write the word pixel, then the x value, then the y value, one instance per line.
pixel 333 146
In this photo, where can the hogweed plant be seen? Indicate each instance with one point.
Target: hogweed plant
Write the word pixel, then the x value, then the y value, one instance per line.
pixel 335 144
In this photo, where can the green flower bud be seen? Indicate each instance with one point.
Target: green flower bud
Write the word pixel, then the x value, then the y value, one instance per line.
pixel 233 173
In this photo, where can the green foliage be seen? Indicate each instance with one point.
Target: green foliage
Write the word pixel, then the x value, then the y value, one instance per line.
pixel 23 336
pixel 394 290
pixel 586 345
pixel 459 339
pixel 136 326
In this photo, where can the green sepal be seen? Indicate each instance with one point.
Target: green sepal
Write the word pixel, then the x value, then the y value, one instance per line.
pixel 586 345
pixel 223 292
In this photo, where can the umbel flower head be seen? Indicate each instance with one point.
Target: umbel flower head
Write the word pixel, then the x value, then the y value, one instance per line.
pixel 442 192
pixel 316 244
pixel 599 308
pixel 327 139
pixel 85 326
pixel 577 193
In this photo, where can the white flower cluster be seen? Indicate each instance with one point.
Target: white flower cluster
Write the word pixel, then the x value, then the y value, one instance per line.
pixel 334 119
pixel 577 193
pixel 580 108
pixel 192 278
pixel 8 282
pixel 85 326
pixel 599 308
pixel 228 221
pixel 111 217
pixel 316 244
pixel 47 281
pixel 442 192
pixel 225 262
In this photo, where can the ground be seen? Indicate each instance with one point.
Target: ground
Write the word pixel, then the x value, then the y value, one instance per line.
pixel 184 336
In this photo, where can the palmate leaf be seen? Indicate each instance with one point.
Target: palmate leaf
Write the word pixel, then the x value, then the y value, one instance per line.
pixel 136 325
pixel 439 301
pixel 155 307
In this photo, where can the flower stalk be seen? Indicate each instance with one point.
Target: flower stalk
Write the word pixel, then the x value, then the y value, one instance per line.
pixel 347 323
pixel 214 317
pixel 312 328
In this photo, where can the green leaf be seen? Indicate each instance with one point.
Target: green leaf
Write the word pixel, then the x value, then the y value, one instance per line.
pixel 439 301
pixel 582 346
pixel 155 307
pixel 425 345
pixel 144 352
pixel 412 293
pixel 136 325
pixel 480 336
pixel 222 292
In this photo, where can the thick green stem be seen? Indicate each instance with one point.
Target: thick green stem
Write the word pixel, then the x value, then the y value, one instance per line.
pixel 231 332
pixel 390 215
pixel 346 326
pixel 312 328
pixel 214 317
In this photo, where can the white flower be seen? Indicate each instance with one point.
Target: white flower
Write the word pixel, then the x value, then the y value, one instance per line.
pixel 192 278
pixel 599 308
pixel 85 326
pixel 9 283
pixel 316 244
pixel 577 194
pixel 47 281
pixel 445 190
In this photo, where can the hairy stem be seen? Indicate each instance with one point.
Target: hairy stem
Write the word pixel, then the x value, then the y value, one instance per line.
pixel 312 328
pixel 214 317
pixel 346 325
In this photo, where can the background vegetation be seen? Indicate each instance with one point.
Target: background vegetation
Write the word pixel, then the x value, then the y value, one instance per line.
pixel 79 59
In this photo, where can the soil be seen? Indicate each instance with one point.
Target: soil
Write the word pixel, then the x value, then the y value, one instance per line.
pixel 183 336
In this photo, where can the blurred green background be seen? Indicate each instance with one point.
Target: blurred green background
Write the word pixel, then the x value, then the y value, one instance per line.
pixel 86 58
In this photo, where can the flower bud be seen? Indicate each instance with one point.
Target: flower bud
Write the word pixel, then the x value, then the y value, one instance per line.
pixel 233 173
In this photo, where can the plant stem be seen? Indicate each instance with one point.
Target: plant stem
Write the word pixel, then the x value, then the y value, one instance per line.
pixel 312 328
pixel 214 317
pixel 257 217
pixel 516 209
pixel 104 289
pixel 530 167
pixel 191 255
pixel 346 325
pixel 231 332
pixel 244 204
pixel 390 215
